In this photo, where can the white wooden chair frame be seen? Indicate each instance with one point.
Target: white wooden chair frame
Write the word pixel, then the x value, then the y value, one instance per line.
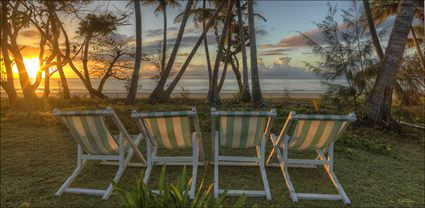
pixel 324 157
pixel 259 160
pixel 83 158
pixel 152 150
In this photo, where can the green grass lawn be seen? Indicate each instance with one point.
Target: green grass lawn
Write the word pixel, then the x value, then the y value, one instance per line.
pixel 376 166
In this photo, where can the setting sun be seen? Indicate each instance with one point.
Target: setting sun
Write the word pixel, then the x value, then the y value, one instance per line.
pixel 31 65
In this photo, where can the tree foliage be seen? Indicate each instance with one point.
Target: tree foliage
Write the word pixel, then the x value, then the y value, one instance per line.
pixel 346 54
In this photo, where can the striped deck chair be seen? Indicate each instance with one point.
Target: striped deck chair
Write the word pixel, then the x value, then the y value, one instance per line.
pixel 310 133
pixel 95 142
pixel 241 130
pixel 171 130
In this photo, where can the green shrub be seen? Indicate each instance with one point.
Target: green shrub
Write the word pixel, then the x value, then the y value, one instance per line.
pixel 171 195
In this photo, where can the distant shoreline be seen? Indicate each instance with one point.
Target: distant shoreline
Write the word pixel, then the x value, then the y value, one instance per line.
pixel 121 95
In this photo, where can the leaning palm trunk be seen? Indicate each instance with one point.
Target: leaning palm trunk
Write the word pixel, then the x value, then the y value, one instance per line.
pixel 418 47
pixel 158 95
pixel 398 90
pixel 235 67
pixel 214 98
pixel 257 96
pixel 226 63
pixel 245 95
pixel 380 98
pixel 372 30
pixel 131 97
pixel 173 84
pixel 207 52
pixel 164 41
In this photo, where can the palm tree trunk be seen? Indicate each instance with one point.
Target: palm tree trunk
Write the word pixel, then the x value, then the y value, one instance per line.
pixel 226 61
pixel 207 52
pixel 164 41
pixel 131 97
pixel 380 98
pixel 257 96
pixel 398 90
pixel 372 30
pixel 7 85
pixel 246 96
pixel 235 68
pixel 173 84
pixel 158 95
pixel 214 98
pixel 223 77
pixel 418 47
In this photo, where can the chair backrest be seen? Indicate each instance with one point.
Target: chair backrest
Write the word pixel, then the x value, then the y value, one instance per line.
pixel 171 130
pixel 241 129
pixel 89 130
pixel 315 131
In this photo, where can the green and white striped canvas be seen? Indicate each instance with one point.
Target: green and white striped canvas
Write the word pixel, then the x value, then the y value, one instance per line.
pixel 169 132
pixel 315 134
pixel 92 134
pixel 242 131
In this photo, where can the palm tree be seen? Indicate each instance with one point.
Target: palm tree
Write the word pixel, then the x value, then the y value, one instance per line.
pixel 214 98
pixel 257 96
pixel 161 7
pixel 246 96
pixel 379 100
pixel 158 94
pixel 131 97
pixel 182 70
pixel 381 10
pixel 372 30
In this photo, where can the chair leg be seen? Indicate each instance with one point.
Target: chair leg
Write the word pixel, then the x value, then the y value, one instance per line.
pixel 338 186
pixel 194 165
pixel 71 178
pixel 284 167
pixel 149 162
pixel 261 158
pixel 117 177
pixel 122 166
pixel 273 152
pixel 80 165
pixel 289 184
pixel 329 169
pixel 216 165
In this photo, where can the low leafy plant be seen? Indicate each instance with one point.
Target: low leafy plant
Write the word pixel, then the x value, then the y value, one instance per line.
pixel 171 195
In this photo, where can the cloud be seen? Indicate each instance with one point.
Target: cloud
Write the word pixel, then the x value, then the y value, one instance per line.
pixel 261 32
pixel 193 70
pixel 274 52
pixel 298 40
pixel 187 41
pixel 158 32
pixel 281 68
pixel 118 38
pixel 30 33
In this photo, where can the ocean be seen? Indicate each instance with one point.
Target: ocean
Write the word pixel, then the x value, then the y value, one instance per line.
pixel 193 85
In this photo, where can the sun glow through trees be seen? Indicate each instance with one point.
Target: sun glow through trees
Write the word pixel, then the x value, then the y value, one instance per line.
pixel 32 66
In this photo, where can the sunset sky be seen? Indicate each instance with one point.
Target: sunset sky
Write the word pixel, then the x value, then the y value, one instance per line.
pixel 280 47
